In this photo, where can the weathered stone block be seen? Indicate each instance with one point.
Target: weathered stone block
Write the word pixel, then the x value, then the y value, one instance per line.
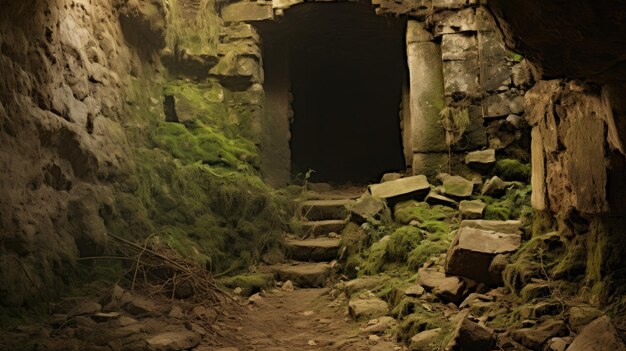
pixel 503 104
pixel 248 11
pixel 461 77
pixel 425 340
pixel 416 33
pixel 429 164
pixel 472 209
pixel 485 20
pixel 366 207
pixel 456 186
pixel 369 308
pixel 413 187
pixel 448 289
pixel 426 91
pixel 459 46
pixel 456 22
pixel 473 250
pixel 481 159
pixel 494 70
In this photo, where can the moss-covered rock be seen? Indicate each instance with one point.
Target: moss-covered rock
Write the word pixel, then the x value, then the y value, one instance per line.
pixel 511 169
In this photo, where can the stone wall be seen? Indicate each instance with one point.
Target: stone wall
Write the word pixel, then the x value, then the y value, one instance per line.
pixel 465 89
pixel 110 114
pixel 63 64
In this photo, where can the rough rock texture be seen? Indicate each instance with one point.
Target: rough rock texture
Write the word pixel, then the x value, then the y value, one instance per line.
pixel 62 64
pixel 473 250
pixel 550 35
pixel 598 335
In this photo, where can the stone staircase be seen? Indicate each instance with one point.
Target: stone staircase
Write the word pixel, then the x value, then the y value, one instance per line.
pixel 321 219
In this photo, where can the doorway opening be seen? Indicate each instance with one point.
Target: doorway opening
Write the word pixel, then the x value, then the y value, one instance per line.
pixel 346 68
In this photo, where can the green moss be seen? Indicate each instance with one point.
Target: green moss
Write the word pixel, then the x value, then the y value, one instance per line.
pixel 434 245
pixel 375 257
pixel 206 145
pixel 510 169
pixel 415 318
pixel 408 211
pixel 535 259
pixel 402 241
pixel 515 204
pixel 249 283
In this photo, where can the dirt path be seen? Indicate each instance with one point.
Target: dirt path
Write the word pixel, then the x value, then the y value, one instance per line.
pixel 304 319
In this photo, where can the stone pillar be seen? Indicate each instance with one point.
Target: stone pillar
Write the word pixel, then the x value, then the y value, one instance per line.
pixel 426 97
pixel 275 151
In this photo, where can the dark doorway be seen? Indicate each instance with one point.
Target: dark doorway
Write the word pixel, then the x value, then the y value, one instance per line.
pixel 346 68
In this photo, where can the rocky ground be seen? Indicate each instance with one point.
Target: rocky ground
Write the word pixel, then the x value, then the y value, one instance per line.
pixel 407 264
pixel 281 319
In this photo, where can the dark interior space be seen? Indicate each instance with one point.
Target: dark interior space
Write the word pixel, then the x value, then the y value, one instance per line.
pixel 346 72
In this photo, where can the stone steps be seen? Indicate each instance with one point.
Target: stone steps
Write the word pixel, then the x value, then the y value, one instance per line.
pixel 315 210
pixel 303 274
pixel 323 227
pixel 317 250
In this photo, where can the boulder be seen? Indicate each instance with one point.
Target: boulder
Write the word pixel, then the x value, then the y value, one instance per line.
pixel 580 316
pixel 472 209
pixel 473 250
pixel 414 290
pixel 415 187
pixel 448 289
pixel 379 325
pixel 367 307
pixel 173 341
pixel 535 337
pixel 599 335
pixel 456 186
pixel 366 207
pixel 495 187
pixel 481 159
pixel 425 341
pixel 470 336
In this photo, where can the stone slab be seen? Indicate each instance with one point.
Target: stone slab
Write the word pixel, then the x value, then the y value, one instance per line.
pixel 414 187
pixel 506 227
pixel 316 210
pixel 318 249
pixel 304 275
pixel 248 11
pixel 473 250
